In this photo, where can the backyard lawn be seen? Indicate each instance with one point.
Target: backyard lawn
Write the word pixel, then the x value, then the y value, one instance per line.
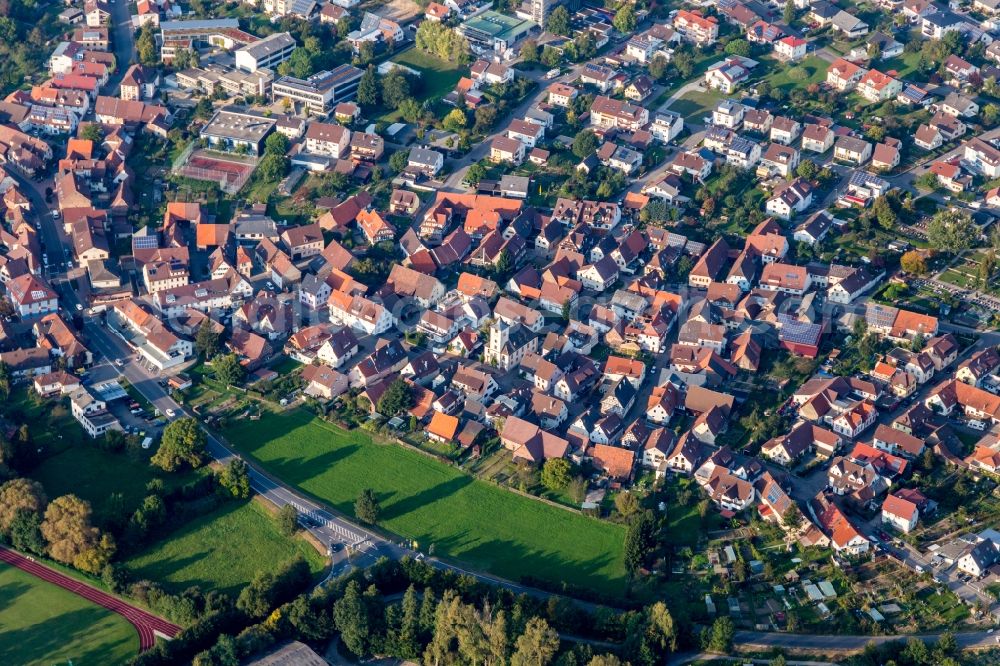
pixel 905 65
pixel 221 550
pixel 811 69
pixel 41 623
pixel 432 503
pixel 695 104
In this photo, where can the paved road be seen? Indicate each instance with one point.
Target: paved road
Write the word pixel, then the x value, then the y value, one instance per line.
pixel 688 657
pixel 148 625
pixel 124 43
pixel 351 545
pixel 453 183
pixel 832 643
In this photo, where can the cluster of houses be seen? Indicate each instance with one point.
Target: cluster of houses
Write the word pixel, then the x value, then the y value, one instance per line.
pixel 560 331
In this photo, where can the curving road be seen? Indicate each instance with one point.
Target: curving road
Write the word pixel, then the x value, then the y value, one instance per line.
pixel 148 625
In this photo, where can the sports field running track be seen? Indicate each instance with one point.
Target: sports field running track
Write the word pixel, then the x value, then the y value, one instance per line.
pixel 147 624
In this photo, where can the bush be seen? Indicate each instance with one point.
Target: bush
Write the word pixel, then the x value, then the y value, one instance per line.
pixel 798 73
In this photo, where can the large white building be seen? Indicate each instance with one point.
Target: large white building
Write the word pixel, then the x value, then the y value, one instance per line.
pixel 265 53
pixel 320 91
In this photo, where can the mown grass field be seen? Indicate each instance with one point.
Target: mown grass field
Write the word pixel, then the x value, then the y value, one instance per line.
pixel 221 550
pixel 41 623
pixel 809 70
pixel 437 77
pixel 422 499
pixel 94 475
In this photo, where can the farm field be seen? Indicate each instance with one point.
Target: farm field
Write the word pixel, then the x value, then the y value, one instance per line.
pixel 41 623
pixel 221 550
pixel 427 501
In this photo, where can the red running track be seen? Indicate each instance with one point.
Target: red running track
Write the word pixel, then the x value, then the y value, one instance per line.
pixel 145 623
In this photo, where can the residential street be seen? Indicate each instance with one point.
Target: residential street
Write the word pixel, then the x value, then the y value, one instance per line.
pixel 124 42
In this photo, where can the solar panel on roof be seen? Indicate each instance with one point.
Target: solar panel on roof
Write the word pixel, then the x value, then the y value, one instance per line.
pixel 144 242
pixel 798 332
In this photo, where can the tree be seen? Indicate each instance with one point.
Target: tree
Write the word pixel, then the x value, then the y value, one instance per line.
pixel 792 517
pixel 276 144
pixel 738 47
pixel 555 474
pixel 368 88
pixel 913 262
pixel 475 173
pixel 884 214
pixel 721 636
pixel 806 169
pixel 875 132
pixel 206 342
pixel 926 181
pixel 550 56
pixel 366 53
pixel 271 168
pixel 288 519
pixel 485 118
pixel 269 588
pixel 529 50
pixel 19 495
pixel 94 559
pixel 408 635
pixel 538 645
pixel 624 20
pixel 93 132
pixel 990 114
pixel 952 231
pixel 789 14
pixel 661 632
pixel 558 22
pixel 366 507
pixel 395 89
pixel 604 660
pixel 455 120
pixel 684 64
pixel 235 478
pixel 584 144
pixel 145 46
pixel 228 370
pixel 626 503
pixel 410 110
pixel 987 266
pixel 658 66
pixel 442 41
pixel 68 529
pixel 183 442
pixel 353 620
pixel 26 533
pixel 397 398
pixel 639 541
pixel 398 160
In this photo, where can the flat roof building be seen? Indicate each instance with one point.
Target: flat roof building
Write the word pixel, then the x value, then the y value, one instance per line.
pixel 320 91
pixel 265 53
pixel 495 30
pixel 235 127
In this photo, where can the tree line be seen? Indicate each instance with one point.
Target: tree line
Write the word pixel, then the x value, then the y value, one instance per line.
pixel 410 610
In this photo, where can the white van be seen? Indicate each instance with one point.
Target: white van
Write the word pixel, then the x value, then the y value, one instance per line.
pixel 552 73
